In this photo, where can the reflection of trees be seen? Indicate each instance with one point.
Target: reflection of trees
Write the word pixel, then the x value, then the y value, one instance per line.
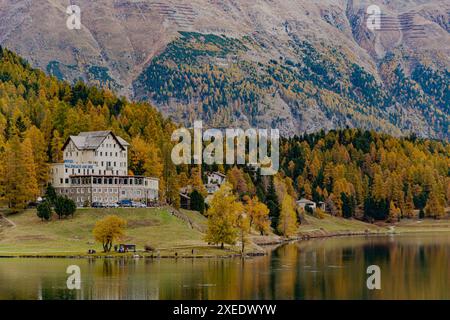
pixel 411 268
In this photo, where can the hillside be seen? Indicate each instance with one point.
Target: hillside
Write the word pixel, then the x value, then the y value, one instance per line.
pixel 154 227
pixel 293 65
pixel 361 173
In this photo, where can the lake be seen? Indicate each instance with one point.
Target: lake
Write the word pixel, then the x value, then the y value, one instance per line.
pixel 412 267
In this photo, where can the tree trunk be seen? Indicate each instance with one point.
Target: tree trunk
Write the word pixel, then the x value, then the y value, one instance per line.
pixel 221 245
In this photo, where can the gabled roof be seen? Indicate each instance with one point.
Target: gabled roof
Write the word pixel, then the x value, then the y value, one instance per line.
pixel 303 200
pixel 93 139
pixel 217 173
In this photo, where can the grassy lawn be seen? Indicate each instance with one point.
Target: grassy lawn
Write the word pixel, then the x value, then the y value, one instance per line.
pixel 334 224
pixel 200 219
pixel 153 226
pixel 425 225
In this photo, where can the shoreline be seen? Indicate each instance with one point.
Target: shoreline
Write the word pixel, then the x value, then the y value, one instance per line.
pixel 279 242
pixel 25 236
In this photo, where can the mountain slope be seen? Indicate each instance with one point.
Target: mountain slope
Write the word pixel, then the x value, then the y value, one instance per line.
pixel 294 65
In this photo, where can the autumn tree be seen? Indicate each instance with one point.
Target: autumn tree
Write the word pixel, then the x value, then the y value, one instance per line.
pixel 19 178
pixel 222 216
pixel 435 205
pixel 40 157
pixel 30 170
pixel 408 210
pixel 243 225
pixel 108 230
pixel 287 225
pixel 258 214
pixel 197 182
pixel 394 212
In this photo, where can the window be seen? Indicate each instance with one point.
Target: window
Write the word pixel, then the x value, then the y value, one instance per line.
pixel 61 180
pixel 67 180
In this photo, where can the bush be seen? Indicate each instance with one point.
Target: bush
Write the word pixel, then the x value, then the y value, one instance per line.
pixel 44 211
pixel 149 248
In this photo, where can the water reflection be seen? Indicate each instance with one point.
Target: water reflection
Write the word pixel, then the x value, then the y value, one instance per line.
pixel 412 267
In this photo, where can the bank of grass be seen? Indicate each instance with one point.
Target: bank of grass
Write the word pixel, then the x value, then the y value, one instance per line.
pixel 334 224
pixel 24 234
pixel 168 235
pixel 329 226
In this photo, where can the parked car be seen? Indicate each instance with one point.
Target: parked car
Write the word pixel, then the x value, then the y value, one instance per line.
pixel 97 205
pixel 112 205
pixel 138 205
pixel 125 203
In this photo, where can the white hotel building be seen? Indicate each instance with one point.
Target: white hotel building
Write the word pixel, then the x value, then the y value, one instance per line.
pixel 95 169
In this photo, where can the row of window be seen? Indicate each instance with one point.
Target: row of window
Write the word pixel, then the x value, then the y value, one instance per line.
pixel 108 164
pixel 97 153
pixel 100 190
pixel 107 180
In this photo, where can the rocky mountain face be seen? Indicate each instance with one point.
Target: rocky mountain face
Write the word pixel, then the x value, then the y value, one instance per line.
pixel 295 65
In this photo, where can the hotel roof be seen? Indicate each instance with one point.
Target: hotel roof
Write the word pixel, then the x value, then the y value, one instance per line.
pixel 93 139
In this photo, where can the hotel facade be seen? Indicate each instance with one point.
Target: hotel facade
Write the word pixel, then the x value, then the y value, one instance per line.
pixel 95 169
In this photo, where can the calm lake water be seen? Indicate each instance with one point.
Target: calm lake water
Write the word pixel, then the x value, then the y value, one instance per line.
pixel 412 267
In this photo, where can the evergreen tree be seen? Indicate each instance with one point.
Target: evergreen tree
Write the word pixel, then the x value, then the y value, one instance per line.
pixel 348 205
pixel 50 194
pixel 273 204
pixel 44 211
pixel 64 207
pixel 197 201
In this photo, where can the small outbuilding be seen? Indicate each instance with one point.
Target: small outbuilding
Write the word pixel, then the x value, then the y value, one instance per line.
pixel 303 203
